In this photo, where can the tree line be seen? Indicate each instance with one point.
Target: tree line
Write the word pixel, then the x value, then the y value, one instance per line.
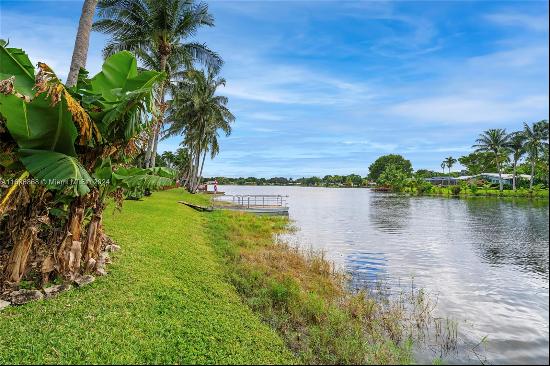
pixel 496 150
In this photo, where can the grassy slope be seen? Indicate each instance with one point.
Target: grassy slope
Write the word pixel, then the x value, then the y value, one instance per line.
pixel 165 300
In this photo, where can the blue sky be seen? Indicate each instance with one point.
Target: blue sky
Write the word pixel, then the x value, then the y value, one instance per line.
pixel 322 87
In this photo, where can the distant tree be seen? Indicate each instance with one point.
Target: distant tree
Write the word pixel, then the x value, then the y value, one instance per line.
pixel 544 165
pixel 394 177
pixel 356 180
pixel 425 173
pixel 516 144
pixel 478 162
pixel 494 141
pixel 449 162
pixel 380 164
pixel 536 137
pixel 443 165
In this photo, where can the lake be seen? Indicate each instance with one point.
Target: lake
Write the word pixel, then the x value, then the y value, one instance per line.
pixel 484 259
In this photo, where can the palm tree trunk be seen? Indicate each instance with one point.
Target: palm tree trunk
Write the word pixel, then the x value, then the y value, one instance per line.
pixel 514 175
pixel 202 164
pixel 196 180
pixel 501 186
pixel 160 121
pixel 156 135
pixel 189 181
pixel 532 174
pixel 197 156
pixel 148 150
pixel 82 42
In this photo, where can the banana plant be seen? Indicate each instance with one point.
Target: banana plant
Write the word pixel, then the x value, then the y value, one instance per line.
pixel 69 142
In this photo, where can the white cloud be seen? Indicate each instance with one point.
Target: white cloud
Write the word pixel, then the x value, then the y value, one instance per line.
pixel 285 84
pixel 460 109
pixel 538 23
pixel 372 146
pixel 48 39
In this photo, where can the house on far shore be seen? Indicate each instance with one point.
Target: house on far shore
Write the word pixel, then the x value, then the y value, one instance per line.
pixel 442 181
pixel 489 177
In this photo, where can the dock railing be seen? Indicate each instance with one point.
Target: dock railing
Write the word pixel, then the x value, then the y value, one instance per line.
pixel 250 201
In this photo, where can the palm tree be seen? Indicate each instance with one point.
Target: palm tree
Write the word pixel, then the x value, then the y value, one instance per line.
pixel 82 41
pixel 157 28
pixel 516 144
pixel 536 139
pixel 449 162
pixel 495 141
pixel 198 113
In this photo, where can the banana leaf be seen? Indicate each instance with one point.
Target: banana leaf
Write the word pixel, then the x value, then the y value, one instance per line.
pixel 126 96
pixel 114 75
pixel 56 170
pixel 37 125
pixel 15 62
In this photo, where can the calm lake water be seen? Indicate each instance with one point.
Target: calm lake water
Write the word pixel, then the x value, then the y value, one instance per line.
pixel 485 260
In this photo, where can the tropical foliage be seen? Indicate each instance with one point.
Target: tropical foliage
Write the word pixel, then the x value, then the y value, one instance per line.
pixel 536 143
pixel 448 162
pixel 394 177
pixel 478 162
pixel 380 165
pixel 494 141
pixel 64 152
pixel 155 30
pixel 198 114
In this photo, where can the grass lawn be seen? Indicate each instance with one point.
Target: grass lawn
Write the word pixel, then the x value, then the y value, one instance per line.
pixel 166 300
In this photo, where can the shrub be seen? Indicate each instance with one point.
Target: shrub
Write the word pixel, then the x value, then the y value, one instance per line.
pixel 455 190
pixel 424 187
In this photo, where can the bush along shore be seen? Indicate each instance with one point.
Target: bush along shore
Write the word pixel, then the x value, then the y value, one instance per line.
pixel 473 190
pixel 190 287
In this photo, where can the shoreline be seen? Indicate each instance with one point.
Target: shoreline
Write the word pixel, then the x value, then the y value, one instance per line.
pixel 191 287
pixel 493 193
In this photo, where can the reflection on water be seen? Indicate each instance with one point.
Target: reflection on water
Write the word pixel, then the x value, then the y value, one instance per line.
pixel 514 237
pixel 486 260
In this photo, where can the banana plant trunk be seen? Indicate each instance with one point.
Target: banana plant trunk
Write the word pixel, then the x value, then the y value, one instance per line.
pixel 69 254
pixel 17 262
pixel 94 236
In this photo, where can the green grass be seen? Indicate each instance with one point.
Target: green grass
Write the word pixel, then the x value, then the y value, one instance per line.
pixel 299 294
pixel 166 300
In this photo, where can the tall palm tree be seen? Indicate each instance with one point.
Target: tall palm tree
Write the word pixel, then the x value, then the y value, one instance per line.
pixel 82 41
pixel 157 27
pixel 536 139
pixel 495 141
pixel 175 73
pixel 198 113
pixel 449 162
pixel 516 145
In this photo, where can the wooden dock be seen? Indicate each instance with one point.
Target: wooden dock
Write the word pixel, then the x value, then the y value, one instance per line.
pixel 197 207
